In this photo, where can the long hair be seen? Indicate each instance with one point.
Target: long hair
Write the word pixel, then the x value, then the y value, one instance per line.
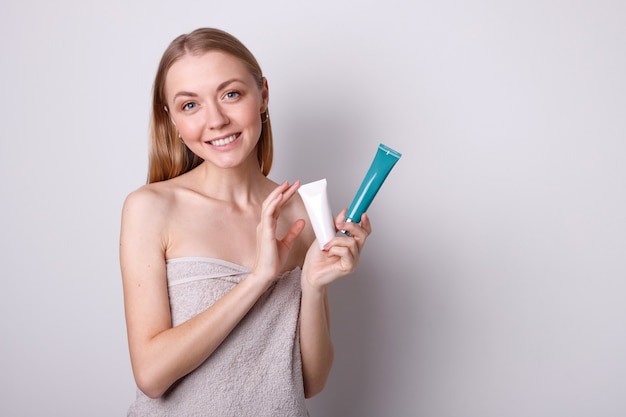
pixel 168 156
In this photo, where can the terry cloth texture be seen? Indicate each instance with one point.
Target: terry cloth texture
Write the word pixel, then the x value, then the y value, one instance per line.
pixel 257 370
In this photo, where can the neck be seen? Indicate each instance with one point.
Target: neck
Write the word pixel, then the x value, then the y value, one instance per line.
pixel 242 185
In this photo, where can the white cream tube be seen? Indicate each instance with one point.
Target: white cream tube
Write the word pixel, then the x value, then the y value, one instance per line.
pixel 317 206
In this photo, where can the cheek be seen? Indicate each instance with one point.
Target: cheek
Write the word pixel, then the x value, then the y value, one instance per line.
pixel 251 118
pixel 188 127
pixel 255 116
pixel 257 126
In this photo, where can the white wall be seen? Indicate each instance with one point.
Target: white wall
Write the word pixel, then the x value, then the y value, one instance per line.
pixel 495 281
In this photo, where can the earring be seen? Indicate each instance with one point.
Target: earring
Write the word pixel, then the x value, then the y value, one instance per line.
pixel 265 116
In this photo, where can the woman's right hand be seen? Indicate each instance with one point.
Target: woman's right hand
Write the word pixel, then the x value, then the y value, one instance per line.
pixel 272 252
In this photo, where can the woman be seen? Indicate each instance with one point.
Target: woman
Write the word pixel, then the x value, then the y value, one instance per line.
pixel 225 290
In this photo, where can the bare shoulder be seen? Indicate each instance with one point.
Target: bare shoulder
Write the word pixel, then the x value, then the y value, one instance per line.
pixel 149 198
pixel 145 217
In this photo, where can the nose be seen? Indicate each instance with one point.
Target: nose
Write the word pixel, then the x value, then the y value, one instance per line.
pixel 216 117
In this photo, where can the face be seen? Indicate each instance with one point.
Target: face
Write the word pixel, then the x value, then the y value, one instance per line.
pixel 216 106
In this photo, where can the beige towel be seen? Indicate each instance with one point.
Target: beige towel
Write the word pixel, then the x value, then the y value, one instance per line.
pixel 257 370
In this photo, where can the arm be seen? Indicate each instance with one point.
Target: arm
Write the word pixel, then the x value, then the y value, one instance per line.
pixel 339 258
pixel 162 354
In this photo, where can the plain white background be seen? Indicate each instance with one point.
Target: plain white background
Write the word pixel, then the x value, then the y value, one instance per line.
pixel 494 283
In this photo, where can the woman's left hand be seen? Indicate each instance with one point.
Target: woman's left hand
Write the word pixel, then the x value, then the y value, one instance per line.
pixel 340 256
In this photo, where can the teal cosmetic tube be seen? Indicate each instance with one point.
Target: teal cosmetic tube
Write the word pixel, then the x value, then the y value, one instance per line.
pixel 384 160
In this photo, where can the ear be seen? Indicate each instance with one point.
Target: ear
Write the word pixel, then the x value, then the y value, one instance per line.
pixel 171 118
pixel 264 95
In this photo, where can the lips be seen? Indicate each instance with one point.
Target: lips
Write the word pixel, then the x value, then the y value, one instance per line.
pixel 224 141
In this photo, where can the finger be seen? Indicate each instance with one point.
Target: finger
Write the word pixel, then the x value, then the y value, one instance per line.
pixel 284 190
pixel 365 223
pixel 271 200
pixel 289 192
pixel 347 242
pixel 355 231
pixel 340 223
pixel 269 214
pixel 339 248
pixel 276 191
pixel 347 260
pixel 294 231
pixel 341 218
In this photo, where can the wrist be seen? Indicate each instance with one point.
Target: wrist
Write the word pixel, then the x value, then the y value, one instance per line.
pixel 260 281
pixel 309 285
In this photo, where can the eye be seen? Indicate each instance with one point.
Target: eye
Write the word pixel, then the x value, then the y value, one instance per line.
pixel 189 105
pixel 231 95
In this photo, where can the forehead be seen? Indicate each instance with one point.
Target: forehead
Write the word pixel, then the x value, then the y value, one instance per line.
pixel 208 69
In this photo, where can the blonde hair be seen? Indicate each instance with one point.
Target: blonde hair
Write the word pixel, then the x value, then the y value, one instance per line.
pixel 168 156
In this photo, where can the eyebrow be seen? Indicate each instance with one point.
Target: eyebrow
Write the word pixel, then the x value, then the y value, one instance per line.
pixel 184 94
pixel 219 87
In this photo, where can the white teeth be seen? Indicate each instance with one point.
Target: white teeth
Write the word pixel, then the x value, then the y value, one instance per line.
pixel 225 141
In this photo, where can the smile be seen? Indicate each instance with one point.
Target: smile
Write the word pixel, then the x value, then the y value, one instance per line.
pixel 224 141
